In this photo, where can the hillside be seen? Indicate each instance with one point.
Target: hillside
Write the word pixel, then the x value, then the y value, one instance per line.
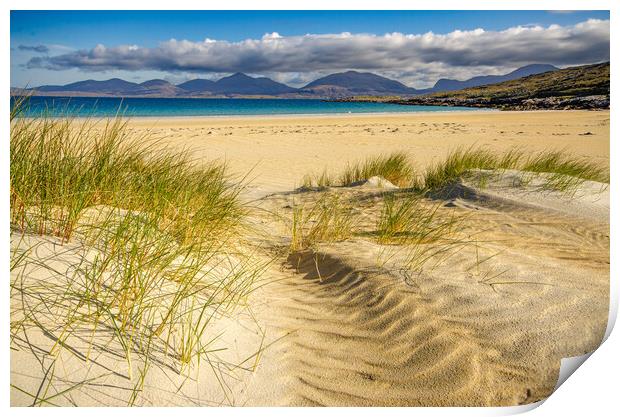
pixel 353 82
pixel 160 88
pixel 582 87
pixel 451 85
pixel 197 85
pixel 111 86
pixel 240 83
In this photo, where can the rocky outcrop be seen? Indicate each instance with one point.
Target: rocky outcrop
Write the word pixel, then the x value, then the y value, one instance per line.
pixel 594 102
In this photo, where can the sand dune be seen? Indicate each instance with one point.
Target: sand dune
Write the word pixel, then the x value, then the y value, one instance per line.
pixel 469 332
pixel 344 324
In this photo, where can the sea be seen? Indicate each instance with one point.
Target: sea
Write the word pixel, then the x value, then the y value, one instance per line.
pixel 191 107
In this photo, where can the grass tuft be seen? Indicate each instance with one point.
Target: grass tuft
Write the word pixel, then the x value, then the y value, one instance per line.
pixel 457 164
pixel 563 164
pixel 394 167
pixel 565 171
pixel 420 228
pixel 322 180
pixel 61 167
pixel 153 236
pixel 326 220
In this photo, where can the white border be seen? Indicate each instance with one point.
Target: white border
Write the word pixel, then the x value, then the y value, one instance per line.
pixel 312 5
pixel 593 388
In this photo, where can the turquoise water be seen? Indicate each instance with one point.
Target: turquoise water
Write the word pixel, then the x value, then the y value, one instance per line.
pixel 175 107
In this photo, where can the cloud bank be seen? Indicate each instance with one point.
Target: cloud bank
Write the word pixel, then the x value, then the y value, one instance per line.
pixel 416 57
pixel 42 49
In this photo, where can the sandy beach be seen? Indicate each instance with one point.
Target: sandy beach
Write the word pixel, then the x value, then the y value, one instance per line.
pixel 310 208
pixel 346 323
pixel 279 151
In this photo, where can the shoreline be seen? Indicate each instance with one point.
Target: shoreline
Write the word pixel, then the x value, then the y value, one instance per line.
pixel 310 116
pixel 285 116
pixel 336 116
pixel 282 115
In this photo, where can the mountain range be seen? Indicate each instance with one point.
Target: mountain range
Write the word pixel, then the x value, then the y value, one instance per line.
pixel 344 84
pixel 581 87
pixel 452 85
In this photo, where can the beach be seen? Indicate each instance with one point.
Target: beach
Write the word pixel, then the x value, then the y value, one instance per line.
pixel 520 280
pixel 276 152
pixel 310 208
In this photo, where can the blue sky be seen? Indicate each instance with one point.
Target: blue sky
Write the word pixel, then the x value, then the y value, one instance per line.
pixel 45 43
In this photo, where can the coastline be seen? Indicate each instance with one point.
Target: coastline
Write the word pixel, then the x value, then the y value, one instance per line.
pixel 292 115
pixel 337 116
pixel 224 108
pixel 314 115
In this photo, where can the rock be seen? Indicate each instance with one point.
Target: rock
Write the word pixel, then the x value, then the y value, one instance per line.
pixel 592 102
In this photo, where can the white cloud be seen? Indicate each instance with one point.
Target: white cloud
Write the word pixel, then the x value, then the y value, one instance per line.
pixel 418 59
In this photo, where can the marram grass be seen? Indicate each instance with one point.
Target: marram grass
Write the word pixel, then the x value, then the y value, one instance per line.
pixel 326 220
pixel 156 263
pixel 564 171
pixel 394 167
pixel 419 229
pixel 407 220
pixel 60 167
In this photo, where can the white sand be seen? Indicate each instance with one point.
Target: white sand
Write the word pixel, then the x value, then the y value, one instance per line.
pixel 278 151
pixel 337 327
pixel 486 327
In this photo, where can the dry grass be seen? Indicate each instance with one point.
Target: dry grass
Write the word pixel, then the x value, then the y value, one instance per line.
pixel 563 171
pixel 322 180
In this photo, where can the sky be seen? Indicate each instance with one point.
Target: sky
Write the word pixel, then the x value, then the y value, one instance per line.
pixel 296 47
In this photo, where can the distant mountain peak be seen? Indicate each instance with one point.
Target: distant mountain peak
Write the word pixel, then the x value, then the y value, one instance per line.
pixel 358 83
pixel 341 84
pixel 239 75
pixel 155 82
pixel 538 66
pixel 446 84
pixel 240 83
